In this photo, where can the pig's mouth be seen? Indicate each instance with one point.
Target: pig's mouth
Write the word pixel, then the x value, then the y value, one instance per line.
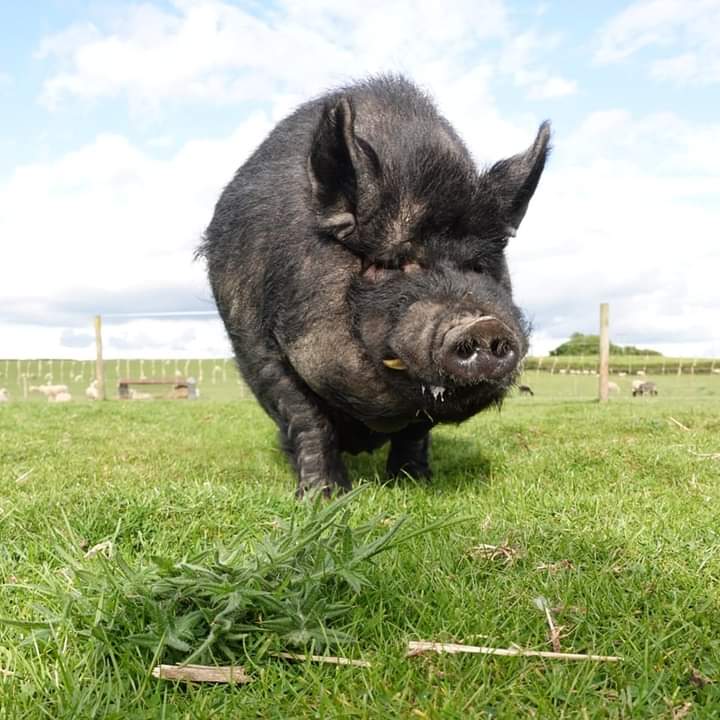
pixel 445 400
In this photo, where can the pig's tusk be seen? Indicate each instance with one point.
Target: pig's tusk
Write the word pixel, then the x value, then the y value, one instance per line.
pixel 395 364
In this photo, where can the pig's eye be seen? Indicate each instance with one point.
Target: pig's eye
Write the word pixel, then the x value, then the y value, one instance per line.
pixel 378 270
pixel 374 270
pixel 409 266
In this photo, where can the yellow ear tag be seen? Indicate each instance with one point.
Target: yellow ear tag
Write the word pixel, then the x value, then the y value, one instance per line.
pixel 395 364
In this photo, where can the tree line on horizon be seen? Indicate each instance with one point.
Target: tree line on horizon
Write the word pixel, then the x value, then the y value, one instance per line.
pixel 580 344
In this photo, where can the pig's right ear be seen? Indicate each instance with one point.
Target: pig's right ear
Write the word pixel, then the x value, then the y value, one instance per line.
pixel 344 171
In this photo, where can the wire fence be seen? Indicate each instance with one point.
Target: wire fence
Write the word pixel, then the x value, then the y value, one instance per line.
pixel 218 379
pixel 624 364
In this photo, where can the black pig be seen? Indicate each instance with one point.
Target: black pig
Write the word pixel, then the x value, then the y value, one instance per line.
pixel 357 261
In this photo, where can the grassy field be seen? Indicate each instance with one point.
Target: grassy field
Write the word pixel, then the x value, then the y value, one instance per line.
pixel 610 513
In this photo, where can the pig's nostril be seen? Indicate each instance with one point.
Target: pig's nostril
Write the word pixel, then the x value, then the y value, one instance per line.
pixel 466 349
pixel 500 347
pixel 480 349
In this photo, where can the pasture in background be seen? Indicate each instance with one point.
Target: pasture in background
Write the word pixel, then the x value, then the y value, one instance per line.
pixel 551 378
pixel 217 379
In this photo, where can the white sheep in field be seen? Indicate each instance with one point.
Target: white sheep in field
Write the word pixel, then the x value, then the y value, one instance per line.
pixel 613 387
pixel 636 384
pixel 135 395
pixel 60 397
pixel 4 395
pixel 50 391
pixel 92 392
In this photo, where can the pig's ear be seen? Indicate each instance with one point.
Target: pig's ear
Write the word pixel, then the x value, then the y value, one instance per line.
pixel 344 171
pixel 514 180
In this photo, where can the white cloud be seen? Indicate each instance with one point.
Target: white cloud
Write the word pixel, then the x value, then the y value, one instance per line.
pixel 552 87
pixel 218 52
pixel 617 220
pixel 169 338
pixel 212 51
pixel 667 25
pixel 662 142
pixel 131 339
pixel 110 220
pixel 521 60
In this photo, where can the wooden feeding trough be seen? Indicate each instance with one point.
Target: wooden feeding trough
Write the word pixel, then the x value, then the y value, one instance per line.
pixel 181 388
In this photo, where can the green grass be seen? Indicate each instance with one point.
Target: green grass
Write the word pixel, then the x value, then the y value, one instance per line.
pixel 619 501
pixel 698 388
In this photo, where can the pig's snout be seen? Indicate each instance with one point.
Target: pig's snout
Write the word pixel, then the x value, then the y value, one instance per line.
pixel 482 348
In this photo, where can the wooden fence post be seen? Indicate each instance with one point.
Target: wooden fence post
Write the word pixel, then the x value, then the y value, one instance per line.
pixel 604 351
pixel 99 365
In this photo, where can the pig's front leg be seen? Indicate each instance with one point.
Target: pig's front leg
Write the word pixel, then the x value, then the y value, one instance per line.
pixel 307 435
pixel 409 452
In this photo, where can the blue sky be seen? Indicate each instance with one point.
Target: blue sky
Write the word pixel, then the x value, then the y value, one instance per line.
pixel 32 133
pixel 122 121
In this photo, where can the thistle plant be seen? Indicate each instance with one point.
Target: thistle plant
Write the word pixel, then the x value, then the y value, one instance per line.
pixel 292 589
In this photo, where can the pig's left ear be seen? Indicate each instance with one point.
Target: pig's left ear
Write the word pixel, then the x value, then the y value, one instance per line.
pixel 514 180
pixel 344 171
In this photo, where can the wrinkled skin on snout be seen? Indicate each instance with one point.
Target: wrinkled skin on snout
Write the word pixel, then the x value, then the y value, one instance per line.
pixel 357 260
pixel 451 339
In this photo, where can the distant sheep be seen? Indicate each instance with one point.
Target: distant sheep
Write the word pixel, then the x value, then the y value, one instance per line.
pixel 525 390
pixel 193 389
pixel 613 387
pixel 60 397
pixel 92 392
pixel 4 395
pixel 50 391
pixel 136 395
pixel 179 393
pixel 645 388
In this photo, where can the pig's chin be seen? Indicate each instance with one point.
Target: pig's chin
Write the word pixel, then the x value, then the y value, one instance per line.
pixel 443 400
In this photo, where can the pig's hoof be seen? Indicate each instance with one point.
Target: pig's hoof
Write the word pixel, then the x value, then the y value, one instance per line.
pixel 327 491
pixel 328 487
pixel 399 467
